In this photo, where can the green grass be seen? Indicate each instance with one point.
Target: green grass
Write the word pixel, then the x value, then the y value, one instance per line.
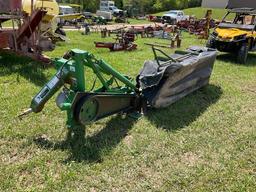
pixel 200 12
pixel 204 142
pixel 7 24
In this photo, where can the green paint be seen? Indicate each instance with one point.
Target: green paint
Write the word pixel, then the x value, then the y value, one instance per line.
pixel 71 72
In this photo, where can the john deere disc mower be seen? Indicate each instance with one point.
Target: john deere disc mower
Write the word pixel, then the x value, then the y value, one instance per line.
pixel 161 82
pixel 237 32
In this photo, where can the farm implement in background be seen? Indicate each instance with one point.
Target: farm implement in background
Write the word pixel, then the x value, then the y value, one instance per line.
pixel 107 33
pixel 24 38
pixel 124 41
pixel 145 31
pixel 199 27
pixel 173 34
pixel 161 82
pixel 34 27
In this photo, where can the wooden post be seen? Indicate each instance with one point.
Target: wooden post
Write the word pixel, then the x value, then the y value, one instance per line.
pixel 172 43
pixel 14 35
pixel 207 26
pixel 33 37
pixel 32 6
pixel 178 42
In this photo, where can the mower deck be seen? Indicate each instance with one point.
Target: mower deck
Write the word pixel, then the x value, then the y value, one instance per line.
pixel 167 79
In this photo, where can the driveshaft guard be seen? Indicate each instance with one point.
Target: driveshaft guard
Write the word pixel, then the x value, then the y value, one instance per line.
pixel 91 107
pixel 165 84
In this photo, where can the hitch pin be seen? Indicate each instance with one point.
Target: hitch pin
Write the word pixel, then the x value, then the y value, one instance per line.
pixel 25 113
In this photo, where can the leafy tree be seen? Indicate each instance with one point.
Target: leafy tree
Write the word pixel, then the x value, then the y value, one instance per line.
pixel 146 6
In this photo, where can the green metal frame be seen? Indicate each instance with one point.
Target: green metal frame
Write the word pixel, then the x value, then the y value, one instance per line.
pixel 72 71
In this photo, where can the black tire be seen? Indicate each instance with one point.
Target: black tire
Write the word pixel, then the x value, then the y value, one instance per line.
pixel 210 44
pixel 66 23
pixel 60 32
pixel 242 54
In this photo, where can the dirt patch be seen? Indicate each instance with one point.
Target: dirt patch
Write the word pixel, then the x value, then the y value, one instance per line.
pixel 249 88
pixel 98 28
pixel 128 140
pixel 190 159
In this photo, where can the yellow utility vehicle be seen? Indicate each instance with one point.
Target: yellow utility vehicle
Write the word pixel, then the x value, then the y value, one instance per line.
pixel 237 36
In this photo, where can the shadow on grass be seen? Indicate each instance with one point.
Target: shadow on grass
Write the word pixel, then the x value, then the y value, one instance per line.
pixel 177 116
pixel 91 149
pixel 23 66
pixel 228 57
pixel 185 111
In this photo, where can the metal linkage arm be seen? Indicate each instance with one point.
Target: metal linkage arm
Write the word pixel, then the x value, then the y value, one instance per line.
pixel 100 66
pixel 71 70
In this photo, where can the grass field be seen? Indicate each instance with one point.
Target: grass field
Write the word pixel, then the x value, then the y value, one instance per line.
pixel 204 142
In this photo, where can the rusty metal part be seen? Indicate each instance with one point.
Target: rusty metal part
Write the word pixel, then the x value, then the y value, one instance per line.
pixel 124 41
pixel 143 31
pixel 23 38
pixel 10 6
pixel 199 27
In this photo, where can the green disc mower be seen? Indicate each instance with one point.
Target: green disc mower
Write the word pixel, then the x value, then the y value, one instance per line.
pixel 160 83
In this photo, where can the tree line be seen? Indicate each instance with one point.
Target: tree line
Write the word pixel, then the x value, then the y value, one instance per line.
pixel 145 6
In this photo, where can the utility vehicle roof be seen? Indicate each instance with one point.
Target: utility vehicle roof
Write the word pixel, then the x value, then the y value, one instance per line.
pixel 249 11
pixel 238 26
pixel 241 3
